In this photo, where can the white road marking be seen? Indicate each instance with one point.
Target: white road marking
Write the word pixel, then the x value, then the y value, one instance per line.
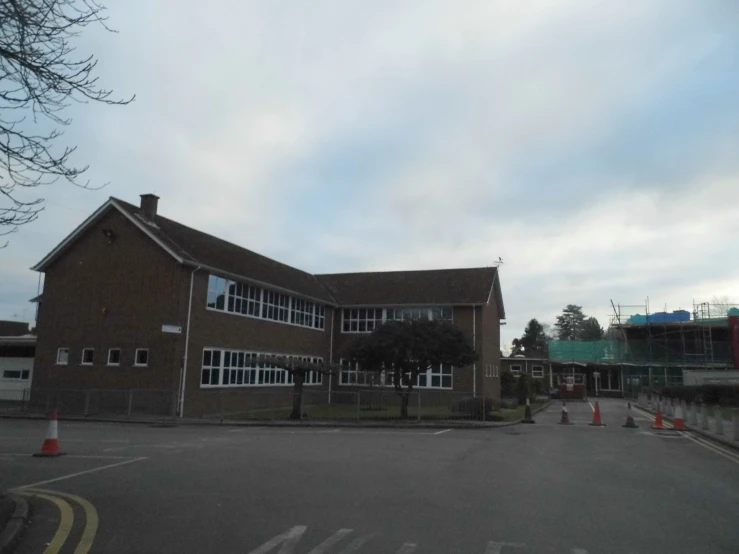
pixel 442 432
pixel 355 545
pixel 579 551
pixel 496 547
pixel 407 548
pixel 62 478
pixel 77 456
pixel 329 542
pixel 288 539
pixel 592 408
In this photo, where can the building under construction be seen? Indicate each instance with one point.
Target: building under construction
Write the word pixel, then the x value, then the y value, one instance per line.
pixel 645 349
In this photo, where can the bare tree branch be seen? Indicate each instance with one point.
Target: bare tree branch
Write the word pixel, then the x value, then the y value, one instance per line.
pixel 40 75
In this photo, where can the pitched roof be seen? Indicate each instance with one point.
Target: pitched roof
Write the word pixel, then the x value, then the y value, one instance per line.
pixel 196 248
pixel 437 286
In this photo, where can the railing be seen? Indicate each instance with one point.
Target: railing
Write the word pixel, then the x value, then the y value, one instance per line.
pixel 125 403
pixel 364 405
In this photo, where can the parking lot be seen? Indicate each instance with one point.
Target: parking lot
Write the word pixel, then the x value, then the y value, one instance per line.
pixel 536 488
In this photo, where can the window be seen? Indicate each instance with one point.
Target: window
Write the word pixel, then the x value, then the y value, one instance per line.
pixel 537 371
pixel 243 299
pixel 397 314
pixel 516 369
pixel 62 356
pixel 235 368
pixel 361 320
pixel 351 374
pixel 88 355
pixel 142 357
pixel 114 356
pixel 20 374
pixel 436 377
pixel 217 292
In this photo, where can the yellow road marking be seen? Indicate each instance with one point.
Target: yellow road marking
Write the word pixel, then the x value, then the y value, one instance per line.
pixel 698 440
pixel 65 524
pixel 91 520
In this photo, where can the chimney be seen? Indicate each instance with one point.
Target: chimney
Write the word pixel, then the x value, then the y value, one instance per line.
pixel 149 204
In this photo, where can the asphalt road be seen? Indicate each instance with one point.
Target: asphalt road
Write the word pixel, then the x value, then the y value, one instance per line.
pixel 543 488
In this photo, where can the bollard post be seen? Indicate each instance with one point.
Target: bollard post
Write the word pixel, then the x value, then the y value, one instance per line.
pixel 704 417
pixel 735 418
pixel 718 419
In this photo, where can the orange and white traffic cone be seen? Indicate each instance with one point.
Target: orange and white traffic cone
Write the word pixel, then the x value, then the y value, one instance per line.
pixel 50 447
pixel 658 420
pixel 679 421
pixel 630 419
pixel 596 416
pixel 565 415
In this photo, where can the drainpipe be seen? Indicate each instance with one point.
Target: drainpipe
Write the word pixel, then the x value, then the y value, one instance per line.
pixel 331 355
pixel 187 346
pixel 474 347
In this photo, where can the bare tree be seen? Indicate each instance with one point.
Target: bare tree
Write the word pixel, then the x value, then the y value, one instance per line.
pixel 720 306
pixel 40 74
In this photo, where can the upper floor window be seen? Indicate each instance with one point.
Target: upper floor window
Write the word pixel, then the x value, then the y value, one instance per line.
pixel 88 355
pixel 364 320
pixel 252 301
pixel 114 356
pixel 16 374
pixel 62 356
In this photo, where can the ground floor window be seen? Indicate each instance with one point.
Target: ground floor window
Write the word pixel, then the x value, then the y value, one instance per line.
pixel 436 377
pixel 537 371
pixel 240 368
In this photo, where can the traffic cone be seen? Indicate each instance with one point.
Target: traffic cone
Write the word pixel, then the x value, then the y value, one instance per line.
pixel 596 416
pixel 630 419
pixel 565 416
pixel 658 420
pixel 50 447
pixel 678 422
pixel 527 413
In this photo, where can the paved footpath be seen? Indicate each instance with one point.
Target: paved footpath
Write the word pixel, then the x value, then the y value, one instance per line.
pixel 542 488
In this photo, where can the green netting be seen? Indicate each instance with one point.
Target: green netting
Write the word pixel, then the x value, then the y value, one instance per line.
pixel 586 351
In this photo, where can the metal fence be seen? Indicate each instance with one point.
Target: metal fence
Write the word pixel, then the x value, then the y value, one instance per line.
pixel 364 405
pixel 125 403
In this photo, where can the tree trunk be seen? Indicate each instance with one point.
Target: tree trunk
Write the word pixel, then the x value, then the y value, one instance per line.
pixel 404 398
pixel 297 412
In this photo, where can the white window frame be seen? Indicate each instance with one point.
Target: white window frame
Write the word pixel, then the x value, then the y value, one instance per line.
pixel 234 365
pixel 537 369
pixel 431 313
pixel 120 354
pixel 20 372
pixel 516 369
pixel 59 355
pixel 314 318
pixel 82 358
pixel 136 357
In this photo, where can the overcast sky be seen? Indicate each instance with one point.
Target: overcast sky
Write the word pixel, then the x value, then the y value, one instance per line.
pixel 593 146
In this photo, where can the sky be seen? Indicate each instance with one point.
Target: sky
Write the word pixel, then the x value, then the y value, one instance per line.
pixel 590 145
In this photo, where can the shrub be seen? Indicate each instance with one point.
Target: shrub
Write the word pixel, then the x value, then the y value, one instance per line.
pixel 523 388
pixel 507 384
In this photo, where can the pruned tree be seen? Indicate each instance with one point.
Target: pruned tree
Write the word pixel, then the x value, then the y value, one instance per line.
pixel 40 75
pixel 404 349
pixel 299 368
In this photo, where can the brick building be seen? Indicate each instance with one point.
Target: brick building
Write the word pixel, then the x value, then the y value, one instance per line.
pixel 133 300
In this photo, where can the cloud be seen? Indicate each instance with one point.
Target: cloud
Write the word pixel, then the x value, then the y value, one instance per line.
pixel 591 146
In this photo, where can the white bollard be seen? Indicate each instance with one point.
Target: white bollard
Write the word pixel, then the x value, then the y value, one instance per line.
pixel 718 419
pixel 704 417
pixel 693 415
pixel 670 408
pixel 735 435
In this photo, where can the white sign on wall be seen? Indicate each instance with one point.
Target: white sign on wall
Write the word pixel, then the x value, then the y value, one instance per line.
pixel 172 329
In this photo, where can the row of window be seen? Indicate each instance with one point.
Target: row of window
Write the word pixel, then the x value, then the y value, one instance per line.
pixel 251 301
pixel 436 377
pixel 537 371
pixel 140 359
pixel 364 320
pixel 492 370
pixel 238 368
pixel 17 374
